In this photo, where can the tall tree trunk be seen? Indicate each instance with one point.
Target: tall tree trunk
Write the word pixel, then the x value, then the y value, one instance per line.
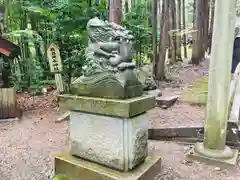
pixel 34 27
pixel 178 40
pixel 195 48
pixel 201 26
pixel 194 13
pixel 172 26
pixel 184 27
pixel 6 70
pixel 25 48
pixel 123 9
pixel 115 11
pixel 163 44
pixel 205 23
pixel 37 45
pixel 198 43
pixel 212 6
pixel 154 35
pixel 6 15
pixel 129 5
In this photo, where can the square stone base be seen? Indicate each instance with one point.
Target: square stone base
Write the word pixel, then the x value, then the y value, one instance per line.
pixel 223 163
pixel 118 143
pixel 126 108
pixel 78 169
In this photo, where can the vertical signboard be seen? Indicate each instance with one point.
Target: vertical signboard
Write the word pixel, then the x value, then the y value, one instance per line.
pixel 55 64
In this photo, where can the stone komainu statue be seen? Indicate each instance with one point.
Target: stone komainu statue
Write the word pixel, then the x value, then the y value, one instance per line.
pixel 109 72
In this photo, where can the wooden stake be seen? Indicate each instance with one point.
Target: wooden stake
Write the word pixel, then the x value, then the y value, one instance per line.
pixel 59 82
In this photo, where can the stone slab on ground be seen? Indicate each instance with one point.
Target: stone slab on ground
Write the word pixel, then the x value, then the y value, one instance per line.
pixel 118 143
pixel 109 107
pixel 9 119
pixel 166 101
pixel 63 117
pixel 156 92
pixel 79 169
pixel 223 163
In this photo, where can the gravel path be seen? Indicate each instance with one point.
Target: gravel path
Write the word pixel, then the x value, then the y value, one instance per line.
pixel 28 146
pixel 176 167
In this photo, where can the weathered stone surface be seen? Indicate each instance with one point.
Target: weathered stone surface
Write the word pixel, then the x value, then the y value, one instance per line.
pixel 234 110
pixel 108 72
pixel 63 117
pixel 120 85
pixel 156 92
pixel 109 107
pixel 79 169
pixel 144 73
pixel 118 143
pixel 221 162
pixel 166 101
pixel 234 115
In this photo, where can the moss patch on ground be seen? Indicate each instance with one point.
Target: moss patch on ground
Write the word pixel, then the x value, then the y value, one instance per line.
pixel 196 93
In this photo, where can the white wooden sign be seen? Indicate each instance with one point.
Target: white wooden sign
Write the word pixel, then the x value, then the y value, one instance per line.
pixel 55 64
pixel 54 58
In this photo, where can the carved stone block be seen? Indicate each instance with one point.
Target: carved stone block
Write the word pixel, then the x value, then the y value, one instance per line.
pixel 122 85
pixel 118 143
pixel 109 107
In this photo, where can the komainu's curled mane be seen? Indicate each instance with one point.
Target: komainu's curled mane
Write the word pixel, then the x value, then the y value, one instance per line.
pixel 109 69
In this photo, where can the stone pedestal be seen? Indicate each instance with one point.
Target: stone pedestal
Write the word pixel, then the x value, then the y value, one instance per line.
pixel 118 143
pixel 109 132
pixel 78 169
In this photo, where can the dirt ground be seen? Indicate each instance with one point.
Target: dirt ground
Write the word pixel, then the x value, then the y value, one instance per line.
pixel 28 146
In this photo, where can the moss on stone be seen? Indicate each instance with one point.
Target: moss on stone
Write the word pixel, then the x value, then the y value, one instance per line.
pixel 108 107
pixel 60 177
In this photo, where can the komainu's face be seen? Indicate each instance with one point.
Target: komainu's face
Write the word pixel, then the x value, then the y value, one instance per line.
pixel 101 31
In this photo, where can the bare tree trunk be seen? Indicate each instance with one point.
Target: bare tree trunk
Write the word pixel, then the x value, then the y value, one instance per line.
pixel 198 43
pixel 6 14
pixel 212 6
pixel 195 48
pixel 172 26
pixel 184 27
pixel 115 11
pixel 89 3
pixel 129 5
pixel 178 50
pixel 206 23
pixel 202 16
pixel 160 72
pixel 194 13
pixel 154 34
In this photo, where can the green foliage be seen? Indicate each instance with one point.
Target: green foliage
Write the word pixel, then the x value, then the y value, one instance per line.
pixel 63 23
pixel 51 22
pixel 138 22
